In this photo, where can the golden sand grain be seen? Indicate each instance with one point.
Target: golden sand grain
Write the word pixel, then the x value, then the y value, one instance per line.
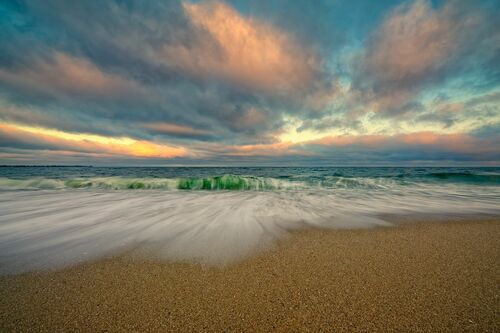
pixel 422 277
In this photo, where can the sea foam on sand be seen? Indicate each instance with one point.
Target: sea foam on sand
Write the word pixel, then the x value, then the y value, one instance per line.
pixel 53 228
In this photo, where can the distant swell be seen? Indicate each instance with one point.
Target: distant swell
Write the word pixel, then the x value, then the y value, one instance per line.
pixel 466 177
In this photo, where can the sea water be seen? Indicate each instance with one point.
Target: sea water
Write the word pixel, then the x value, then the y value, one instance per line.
pixel 57 216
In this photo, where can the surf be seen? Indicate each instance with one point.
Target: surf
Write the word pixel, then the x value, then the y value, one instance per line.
pixel 53 228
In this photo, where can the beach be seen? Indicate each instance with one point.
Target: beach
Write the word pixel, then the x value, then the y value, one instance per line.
pixel 424 276
pixel 249 166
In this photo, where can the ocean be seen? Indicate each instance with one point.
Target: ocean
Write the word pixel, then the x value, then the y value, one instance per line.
pixel 240 178
pixel 58 216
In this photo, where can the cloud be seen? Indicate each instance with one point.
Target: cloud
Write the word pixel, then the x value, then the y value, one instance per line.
pixel 235 81
pixel 413 42
pixel 121 46
pixel 424 145
pixel 29 137
pixel 243 50
pixel 64 73
pixel 484 109
pixel 175 129
pixel 456 142
pixel 271 149
pixel 416 46
pixel 489 131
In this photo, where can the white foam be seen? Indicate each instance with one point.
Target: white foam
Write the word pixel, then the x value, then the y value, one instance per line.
pixel 53 228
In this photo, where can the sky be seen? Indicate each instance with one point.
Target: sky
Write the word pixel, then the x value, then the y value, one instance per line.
pixel 299 82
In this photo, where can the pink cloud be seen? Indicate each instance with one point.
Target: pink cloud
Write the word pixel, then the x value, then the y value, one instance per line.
pixel 456 142
pixel 260 149
pixel 416 39
pixel 69 74
pixel 269 149
pixel 241 49
pixel 170 128
pixel 414 44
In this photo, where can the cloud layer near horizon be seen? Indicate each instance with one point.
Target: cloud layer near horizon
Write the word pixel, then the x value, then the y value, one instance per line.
pixel 214 82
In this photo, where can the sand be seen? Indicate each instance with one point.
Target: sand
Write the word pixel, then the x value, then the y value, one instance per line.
pixel 419 277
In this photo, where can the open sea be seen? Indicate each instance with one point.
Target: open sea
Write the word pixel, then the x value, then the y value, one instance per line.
pixel 57 216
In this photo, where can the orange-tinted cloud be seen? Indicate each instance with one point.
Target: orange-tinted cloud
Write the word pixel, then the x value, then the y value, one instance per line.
pixel 243 50
pixel 270 149
pixel 44 138
pixel 346 140
pixel 170 128
pixel 69 74
pixel 415 40
pixel 262 149
pixel 415 44
pixel 457 142
pixel 419 141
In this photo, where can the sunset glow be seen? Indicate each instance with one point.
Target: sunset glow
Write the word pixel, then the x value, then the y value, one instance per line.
pixel 211 82
pixel 91 142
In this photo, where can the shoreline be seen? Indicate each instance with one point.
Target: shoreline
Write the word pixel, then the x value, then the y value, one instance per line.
pixel 429 276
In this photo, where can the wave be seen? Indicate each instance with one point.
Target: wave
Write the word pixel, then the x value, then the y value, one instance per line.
pixel 45 229
pixel 230 182
pixel 216 183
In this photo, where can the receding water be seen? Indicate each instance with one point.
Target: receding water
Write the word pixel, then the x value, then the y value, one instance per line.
pixel 56 216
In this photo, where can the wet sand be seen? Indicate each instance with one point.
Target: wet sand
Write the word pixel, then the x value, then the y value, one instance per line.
pixel 415 277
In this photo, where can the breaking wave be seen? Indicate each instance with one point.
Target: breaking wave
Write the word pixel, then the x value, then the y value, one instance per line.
pixel 229 182
pixel 52 217
pixel 216 183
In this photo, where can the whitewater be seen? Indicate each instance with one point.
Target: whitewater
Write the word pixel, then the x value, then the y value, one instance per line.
pixel 51 218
